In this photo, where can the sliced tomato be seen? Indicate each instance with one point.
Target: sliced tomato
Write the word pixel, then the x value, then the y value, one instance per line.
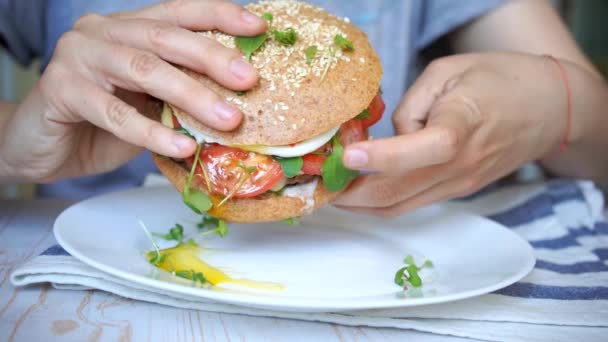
pixel 352 131
pixel 376 109
pixel 313 164
pixel 234 171
pixel 176 124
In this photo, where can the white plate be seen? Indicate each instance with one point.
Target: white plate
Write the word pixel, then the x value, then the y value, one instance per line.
pixel 333 261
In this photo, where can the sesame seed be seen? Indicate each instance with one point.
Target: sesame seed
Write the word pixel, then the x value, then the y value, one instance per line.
pixel 294 126
pixel 281 118
pixel 285 67
pixel 362 60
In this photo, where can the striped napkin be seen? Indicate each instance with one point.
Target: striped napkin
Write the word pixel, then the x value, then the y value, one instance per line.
pixel 565 296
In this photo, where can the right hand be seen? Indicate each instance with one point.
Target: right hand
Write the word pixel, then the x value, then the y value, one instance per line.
pixel 85 115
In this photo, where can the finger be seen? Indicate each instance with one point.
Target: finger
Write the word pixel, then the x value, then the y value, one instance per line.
pixel 206 15
pixel 381 191
pixel 438 78
pixel 182 47
pixel 452 120
pixel 145 72
pixel 431 146
pixel 92 103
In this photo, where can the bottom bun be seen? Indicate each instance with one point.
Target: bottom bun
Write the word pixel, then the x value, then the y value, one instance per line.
pixel 264 208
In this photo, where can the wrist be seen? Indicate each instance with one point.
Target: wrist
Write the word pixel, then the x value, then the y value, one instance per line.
pixel 561 104
pixel 7 110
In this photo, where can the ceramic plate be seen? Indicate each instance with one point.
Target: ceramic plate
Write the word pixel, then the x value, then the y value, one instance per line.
pixel 332 261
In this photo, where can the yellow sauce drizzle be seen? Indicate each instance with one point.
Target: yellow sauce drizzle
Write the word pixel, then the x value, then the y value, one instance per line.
pixel 185 257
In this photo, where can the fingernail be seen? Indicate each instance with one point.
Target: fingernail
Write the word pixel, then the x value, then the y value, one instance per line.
pixel 225 111
pixel 250 17
pixel 355 158
pixel 241 69
pixel 181 142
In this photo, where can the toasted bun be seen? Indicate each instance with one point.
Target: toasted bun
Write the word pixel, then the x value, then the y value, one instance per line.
pixel 292 102
pixel 259 209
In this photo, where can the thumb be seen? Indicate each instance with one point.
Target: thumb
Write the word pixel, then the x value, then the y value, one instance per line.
pixel 452 120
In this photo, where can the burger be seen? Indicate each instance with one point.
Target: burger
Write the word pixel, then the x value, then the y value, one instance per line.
pixel 319 91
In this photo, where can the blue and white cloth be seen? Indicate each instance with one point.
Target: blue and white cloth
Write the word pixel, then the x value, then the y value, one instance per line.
pixel 564 297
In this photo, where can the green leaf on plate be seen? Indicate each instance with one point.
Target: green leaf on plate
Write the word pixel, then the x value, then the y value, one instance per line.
pixel 409 260
pixel 176 233
pixel 292 221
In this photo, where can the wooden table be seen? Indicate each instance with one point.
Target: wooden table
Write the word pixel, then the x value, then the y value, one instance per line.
pixel 43 313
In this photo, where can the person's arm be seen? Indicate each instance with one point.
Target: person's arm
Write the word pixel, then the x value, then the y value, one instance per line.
pixel 480 114
pixel 528 26
pixel 87 114
pixel 534 27
pixel 6 110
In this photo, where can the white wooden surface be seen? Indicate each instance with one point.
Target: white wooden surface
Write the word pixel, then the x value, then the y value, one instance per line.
pixel 43 313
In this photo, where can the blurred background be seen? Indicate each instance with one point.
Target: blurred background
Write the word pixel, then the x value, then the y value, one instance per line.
pixel 587 20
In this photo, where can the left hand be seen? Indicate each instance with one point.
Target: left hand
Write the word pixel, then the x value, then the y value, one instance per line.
pixel 467 121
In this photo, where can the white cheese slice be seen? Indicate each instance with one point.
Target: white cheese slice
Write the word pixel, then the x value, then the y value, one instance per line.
pixel 288 151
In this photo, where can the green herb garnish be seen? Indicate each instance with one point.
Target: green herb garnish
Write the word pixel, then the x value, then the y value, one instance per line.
pixel 287 37
pixel 207 220
pixel 195 199
pixel 184 132
pixel 268 17
pixel 249 45
pixel 409 274
pixel 291 166
pixel 335 175
pixel 240 92
pixel 409 260
pixel 292 221
pixel 311 53
pixel 154 257
pixel 176 233
pixel 220 229
pixel 191 275
pixel 343 43
pixel 363 115
pixel 248 169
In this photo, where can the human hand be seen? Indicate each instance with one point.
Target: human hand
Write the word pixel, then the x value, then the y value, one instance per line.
pixel 467 121
pixel 86 114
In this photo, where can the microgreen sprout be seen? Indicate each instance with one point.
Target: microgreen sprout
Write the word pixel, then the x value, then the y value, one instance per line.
pixel 156 258
pixel 311 53
pixel 292 221
pixel 195 199
pixel 175 233
pixel 287 37
pixel 221 229
pixel 409 274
